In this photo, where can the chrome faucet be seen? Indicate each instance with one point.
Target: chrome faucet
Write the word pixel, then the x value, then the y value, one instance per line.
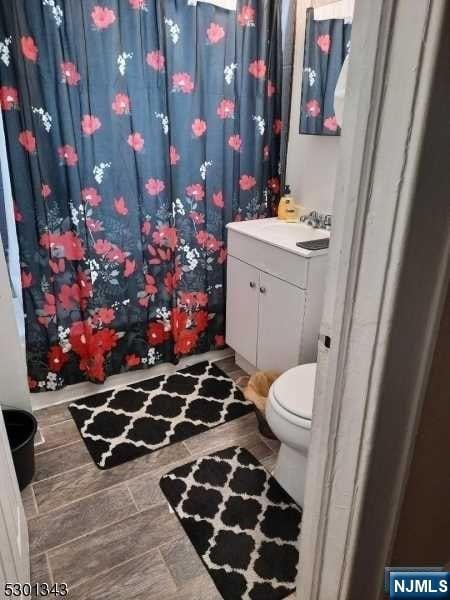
pixel 317 220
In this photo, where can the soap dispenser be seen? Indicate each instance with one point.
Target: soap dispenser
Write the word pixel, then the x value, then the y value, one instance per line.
pixel 292 213
pixel 286 204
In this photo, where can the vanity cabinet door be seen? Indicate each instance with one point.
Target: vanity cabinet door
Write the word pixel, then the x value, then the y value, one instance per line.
pixel 280 323
pixel 242 308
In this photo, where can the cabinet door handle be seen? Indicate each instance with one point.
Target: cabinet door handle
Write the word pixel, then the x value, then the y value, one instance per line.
pixel 262 289
pixel 252 284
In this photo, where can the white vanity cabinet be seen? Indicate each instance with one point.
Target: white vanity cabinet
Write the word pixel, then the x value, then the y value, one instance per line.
pixel 274 294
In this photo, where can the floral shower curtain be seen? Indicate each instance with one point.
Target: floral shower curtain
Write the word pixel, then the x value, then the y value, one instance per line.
pixel 136 130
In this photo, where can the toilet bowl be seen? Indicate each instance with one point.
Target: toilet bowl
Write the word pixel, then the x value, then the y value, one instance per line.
pixel 289 414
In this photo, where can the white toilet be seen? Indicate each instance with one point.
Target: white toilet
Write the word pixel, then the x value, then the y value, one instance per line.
pixel 289 414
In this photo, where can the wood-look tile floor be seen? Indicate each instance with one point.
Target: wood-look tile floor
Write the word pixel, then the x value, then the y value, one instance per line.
pixel 110 534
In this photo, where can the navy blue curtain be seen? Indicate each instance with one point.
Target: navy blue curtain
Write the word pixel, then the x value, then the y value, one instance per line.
pixel 327 43
pixel 136 130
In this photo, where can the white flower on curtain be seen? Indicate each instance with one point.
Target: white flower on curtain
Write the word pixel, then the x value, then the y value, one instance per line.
pixel 4 51
pixel 204 167
pixel 151 358
pixel 312 75
pixel 191 258
pixel 163 314
pixel 46 117
pixel 122 61
pixel 174 30
pixel 229 72
pixel 164 121
pixel 260 124
pixel 52 383
pixel 63 339
pixel 57 11
pixel 74 214
pixel 94 268
pixel 99 171
pixel 178 208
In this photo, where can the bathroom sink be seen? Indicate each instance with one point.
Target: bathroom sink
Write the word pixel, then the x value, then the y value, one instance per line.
pixel 284 235
pixel 297 232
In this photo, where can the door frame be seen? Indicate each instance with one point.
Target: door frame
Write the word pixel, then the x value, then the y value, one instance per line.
pixel 388 275
pixel 13 367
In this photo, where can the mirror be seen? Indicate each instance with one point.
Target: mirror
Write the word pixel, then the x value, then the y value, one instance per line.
pixel 327 44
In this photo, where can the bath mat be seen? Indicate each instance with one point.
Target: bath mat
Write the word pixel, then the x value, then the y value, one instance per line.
pixel 128 422
pixel 242 524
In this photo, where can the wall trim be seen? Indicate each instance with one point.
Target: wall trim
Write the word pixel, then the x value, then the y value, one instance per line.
pixel 383 334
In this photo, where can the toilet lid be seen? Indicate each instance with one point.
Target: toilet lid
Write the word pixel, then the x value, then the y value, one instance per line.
pixel 294 390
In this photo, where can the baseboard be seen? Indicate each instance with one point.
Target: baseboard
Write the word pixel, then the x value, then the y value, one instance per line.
pixel 245 365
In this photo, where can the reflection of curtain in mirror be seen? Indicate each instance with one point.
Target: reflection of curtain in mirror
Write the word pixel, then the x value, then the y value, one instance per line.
pixel 327 43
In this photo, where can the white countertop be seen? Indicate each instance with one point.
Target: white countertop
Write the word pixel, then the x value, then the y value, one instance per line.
pixel 283 235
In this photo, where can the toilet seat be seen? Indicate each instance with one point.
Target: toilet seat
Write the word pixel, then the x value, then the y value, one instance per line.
pixel 292 394
pixel 289 414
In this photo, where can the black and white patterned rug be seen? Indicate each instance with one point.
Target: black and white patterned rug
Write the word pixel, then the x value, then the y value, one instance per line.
pixel 241 522
pixel 127 422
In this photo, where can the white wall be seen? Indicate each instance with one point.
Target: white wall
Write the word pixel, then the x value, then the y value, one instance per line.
pixel 13 372
pixel 311 159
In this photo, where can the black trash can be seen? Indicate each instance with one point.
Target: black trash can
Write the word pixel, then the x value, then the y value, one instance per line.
pixel 21 427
